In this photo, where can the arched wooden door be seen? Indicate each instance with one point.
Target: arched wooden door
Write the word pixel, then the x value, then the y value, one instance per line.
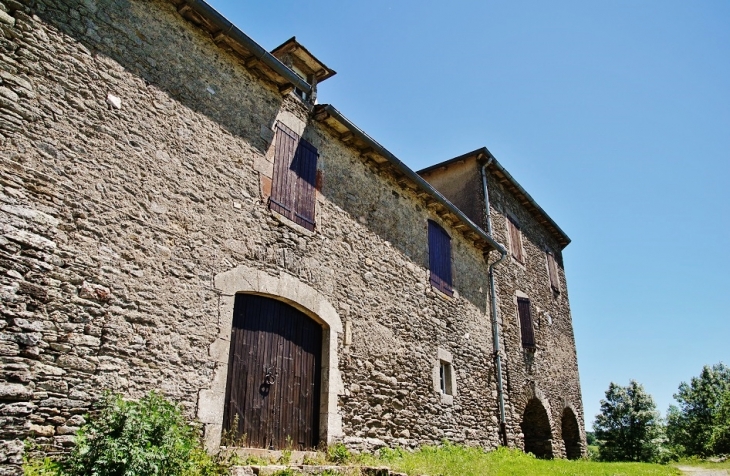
pixel 274 371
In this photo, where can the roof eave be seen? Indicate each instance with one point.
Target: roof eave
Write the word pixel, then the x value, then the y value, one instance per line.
pixel 483 154
pixel 324 112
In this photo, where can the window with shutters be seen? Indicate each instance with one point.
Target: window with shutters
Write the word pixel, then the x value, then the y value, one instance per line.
pixel 526 329
pixel 439 258
pixel 293 186
pixel 515 239
pixel 553 271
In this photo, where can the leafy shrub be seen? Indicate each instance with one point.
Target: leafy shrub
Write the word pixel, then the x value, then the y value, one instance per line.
pixel 338 454
pixel 145 437
pixel 592 453
pixel 40 467
pixel 389 454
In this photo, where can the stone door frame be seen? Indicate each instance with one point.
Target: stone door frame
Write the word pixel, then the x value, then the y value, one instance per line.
pixel 288 289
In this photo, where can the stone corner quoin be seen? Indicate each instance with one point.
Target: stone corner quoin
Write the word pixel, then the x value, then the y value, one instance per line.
pixel 170 204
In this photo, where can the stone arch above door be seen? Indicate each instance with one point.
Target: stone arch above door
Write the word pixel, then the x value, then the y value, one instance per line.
pixel 286 288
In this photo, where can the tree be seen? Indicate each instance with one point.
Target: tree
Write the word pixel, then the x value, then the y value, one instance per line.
pixel 629 428
pixel 699 425
pixel 720 438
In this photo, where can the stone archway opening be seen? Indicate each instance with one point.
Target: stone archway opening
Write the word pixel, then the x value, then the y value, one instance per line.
pixel 536 429
pixel 571 435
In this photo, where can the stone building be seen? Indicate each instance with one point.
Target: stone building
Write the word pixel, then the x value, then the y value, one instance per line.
pixel 178 215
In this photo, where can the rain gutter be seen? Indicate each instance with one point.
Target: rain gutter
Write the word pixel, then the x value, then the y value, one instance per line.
pixel 494 309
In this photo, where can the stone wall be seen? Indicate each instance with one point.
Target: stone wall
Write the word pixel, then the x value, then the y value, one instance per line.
pixel 550 373
pixel 134 158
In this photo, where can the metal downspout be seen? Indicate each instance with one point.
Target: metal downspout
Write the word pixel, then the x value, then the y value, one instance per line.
pixel 493 299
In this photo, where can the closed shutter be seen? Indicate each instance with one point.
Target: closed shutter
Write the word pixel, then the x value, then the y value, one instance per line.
pixel 293 192
pixel 515 240
pixel 528 335
pixel 439 258
pixel 553 272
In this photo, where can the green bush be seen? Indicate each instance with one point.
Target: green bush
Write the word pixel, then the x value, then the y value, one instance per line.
pixel 338 454
pixel 133 438
pixel 41 467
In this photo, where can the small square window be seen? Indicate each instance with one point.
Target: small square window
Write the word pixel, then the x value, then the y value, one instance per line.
pixel 445 374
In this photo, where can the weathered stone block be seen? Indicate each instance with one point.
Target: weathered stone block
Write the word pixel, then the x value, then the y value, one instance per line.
pixel 14 392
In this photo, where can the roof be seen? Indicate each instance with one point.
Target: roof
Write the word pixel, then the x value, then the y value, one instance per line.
pixel 504 177
pixel 229 37
pixel 303 59
pixel 381 159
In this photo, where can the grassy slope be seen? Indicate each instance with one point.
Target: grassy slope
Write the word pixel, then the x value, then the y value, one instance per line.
pixel 460 461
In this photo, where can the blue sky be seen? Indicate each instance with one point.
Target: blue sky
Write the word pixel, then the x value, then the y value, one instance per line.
pixel 615 116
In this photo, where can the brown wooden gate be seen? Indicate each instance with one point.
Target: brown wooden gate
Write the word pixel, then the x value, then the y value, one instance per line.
pixel 273 375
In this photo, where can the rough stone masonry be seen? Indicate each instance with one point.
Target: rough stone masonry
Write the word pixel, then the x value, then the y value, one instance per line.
pixel 136 160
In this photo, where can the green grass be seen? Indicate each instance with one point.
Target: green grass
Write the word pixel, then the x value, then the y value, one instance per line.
pixel 455 460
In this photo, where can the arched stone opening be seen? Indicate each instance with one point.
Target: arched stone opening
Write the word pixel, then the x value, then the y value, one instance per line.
pixel 293 292
pixel 571 434
pixel 536 430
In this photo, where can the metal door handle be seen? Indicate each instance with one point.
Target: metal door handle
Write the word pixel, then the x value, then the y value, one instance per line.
pixel 270 376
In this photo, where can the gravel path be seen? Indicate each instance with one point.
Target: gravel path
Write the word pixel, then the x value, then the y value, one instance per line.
pixel 693 471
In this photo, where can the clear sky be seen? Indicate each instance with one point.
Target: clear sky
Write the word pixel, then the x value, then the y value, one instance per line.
pixel 615 116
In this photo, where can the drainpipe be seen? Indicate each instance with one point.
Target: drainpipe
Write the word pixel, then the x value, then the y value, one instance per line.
pixel 493 298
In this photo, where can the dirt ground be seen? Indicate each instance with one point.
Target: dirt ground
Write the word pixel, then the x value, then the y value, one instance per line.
pixel 693 471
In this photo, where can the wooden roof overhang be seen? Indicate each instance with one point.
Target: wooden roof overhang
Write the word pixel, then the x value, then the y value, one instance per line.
pixel 381 160
pixel 503 177
pixel 231 39
pixel 303 59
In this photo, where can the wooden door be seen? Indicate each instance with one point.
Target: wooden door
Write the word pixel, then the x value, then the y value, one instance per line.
pixel 273 375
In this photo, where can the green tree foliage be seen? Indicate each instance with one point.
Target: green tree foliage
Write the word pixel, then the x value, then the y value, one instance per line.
pixel 145 437
pixel 720 438
pixel 700 425
pixel 629 427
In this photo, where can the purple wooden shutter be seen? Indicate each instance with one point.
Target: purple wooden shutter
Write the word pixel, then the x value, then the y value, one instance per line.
pixel 295 174
pixel 528 335
pixel 305 165
pixel 439 258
